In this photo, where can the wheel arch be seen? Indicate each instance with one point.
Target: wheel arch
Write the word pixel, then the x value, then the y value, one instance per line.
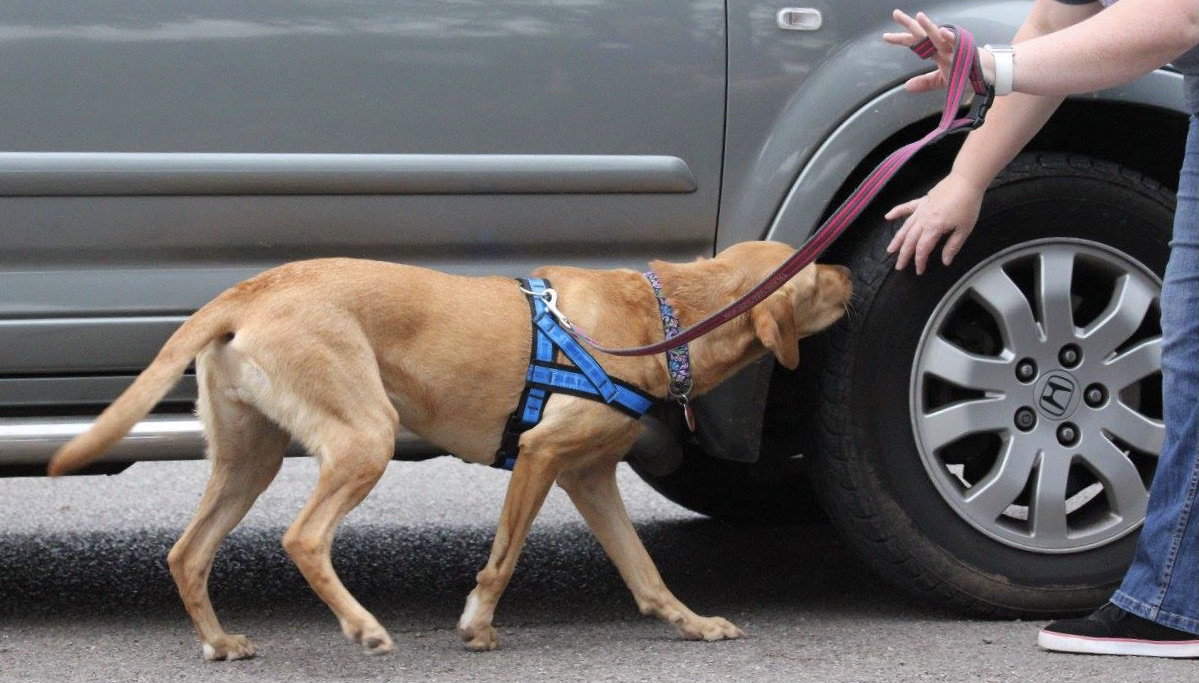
pixel 1148 115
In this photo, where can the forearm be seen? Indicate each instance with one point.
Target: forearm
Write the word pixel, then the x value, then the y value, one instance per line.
pixel 1011 123
pixel 1119 44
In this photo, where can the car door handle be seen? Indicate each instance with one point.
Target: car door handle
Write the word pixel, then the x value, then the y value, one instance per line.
pixel 800 19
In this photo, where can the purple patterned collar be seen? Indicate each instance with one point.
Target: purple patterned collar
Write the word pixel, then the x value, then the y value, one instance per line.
pixel 678 359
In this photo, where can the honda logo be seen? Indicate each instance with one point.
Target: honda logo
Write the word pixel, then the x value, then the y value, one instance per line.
pixel 1057 395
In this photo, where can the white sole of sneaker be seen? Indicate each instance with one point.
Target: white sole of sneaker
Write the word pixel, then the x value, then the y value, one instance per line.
pixel 1117 646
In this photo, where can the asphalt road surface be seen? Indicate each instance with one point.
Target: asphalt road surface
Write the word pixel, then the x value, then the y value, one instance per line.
pixel 85 594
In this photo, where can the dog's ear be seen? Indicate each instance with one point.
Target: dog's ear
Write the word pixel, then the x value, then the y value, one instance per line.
pixel 774 325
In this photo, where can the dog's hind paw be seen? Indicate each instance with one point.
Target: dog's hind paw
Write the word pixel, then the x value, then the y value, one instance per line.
pixel 228 648
pixel 482 639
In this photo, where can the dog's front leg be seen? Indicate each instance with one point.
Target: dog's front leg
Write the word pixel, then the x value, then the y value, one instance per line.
pixel 594 492
pixel 531 480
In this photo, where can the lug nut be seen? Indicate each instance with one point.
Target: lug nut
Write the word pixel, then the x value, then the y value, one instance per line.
pixel 1067 434
pixel 1026 419
pixel 1069 356
pixel 1026 370
pixel 1095 395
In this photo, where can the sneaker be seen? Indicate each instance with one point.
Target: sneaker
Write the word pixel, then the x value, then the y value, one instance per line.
pixel 1113 631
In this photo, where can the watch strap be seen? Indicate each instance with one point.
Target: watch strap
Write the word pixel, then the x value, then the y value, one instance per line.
pixel 1004 57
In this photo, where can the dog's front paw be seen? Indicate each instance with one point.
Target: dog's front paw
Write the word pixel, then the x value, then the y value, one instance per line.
pixel 480 638
pixel 712 628
pixel 377 642
pixel 228 648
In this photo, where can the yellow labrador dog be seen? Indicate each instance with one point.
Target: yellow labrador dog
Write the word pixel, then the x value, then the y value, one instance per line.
pixel 338 353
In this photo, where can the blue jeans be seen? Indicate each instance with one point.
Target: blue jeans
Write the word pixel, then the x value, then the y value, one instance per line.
pixel 1163 582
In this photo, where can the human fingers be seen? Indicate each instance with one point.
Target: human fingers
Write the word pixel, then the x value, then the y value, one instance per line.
pixel 897 240
pixel 942 38
pixel 933 80
pixel 911 36
pixel 904 209
pixel 913 28
pixel 907 241
pixel 901 255
pixel 953 245
pixel 897 212
pixel 925 243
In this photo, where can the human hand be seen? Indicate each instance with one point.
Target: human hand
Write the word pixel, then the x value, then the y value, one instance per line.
pixel 942 38
pixel 949 209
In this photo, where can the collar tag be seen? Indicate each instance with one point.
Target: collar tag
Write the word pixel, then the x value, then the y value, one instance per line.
pixel 688 413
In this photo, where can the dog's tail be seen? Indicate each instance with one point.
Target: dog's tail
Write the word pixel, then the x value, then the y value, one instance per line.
pixel 211 322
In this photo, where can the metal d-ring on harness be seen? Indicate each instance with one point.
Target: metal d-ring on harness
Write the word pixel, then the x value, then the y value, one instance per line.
pixel 584 378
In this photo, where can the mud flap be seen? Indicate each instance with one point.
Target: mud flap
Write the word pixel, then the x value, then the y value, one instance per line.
pixel 729 418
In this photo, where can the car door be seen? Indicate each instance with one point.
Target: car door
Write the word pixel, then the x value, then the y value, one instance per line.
pixel 152 153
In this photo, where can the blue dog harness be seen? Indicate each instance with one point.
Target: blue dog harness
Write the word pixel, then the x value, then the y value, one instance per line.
pixel 545 376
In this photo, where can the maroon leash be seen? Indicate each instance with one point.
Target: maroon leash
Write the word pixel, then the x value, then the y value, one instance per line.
pixel 966 71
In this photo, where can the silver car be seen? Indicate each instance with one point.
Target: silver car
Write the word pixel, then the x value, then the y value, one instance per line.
pixel 983 434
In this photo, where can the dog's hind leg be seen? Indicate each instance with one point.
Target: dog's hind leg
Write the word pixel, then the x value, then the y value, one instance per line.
pixel 324 388
pixel 246 451
pixel 353 456
pixel 594 491
pixel 532 478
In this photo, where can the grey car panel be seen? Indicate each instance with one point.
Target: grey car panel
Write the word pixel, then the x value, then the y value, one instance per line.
pixel 154 153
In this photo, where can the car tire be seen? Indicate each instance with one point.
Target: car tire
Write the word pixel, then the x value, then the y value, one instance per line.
pixel 943 458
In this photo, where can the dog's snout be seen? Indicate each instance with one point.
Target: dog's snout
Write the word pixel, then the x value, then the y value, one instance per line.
pixel 838 270
pixel 837 276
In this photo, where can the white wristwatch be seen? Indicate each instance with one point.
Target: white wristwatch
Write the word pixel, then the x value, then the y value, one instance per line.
pixel 1004 56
